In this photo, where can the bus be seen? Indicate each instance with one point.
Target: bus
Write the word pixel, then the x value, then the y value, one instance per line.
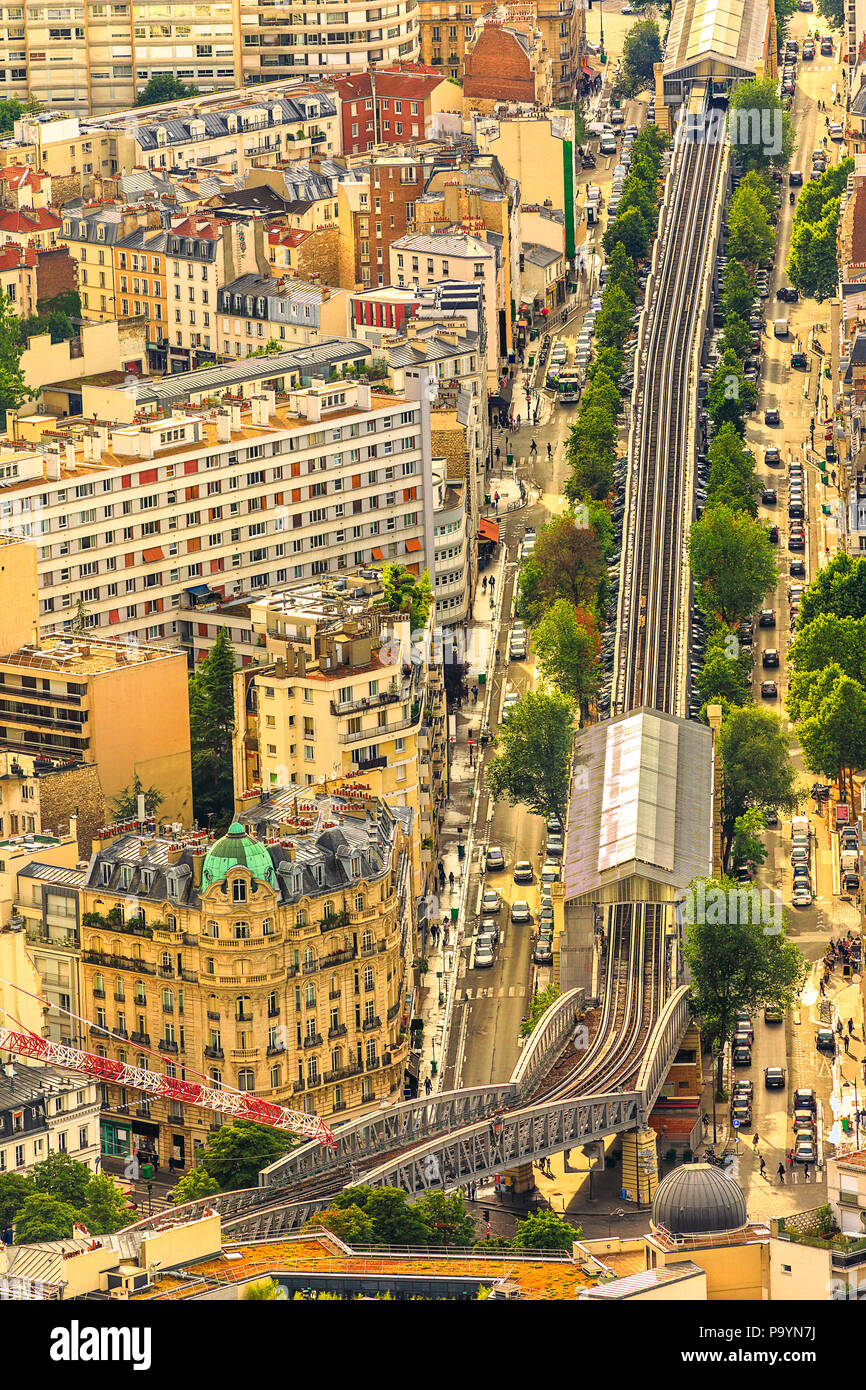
pixel 567 385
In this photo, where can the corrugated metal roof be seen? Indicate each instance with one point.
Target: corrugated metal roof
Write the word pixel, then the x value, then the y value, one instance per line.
pixel 641 803
pixel 178 387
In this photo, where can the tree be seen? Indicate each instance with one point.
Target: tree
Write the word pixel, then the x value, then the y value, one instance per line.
pixel 546 1231
pixel 235 1154
pixel 264 1291
pixel 833 11
pixel 629 229
pixel 641 51
pixel 813 258
pixel 589 451
pixel 566 562
pixel 763 190
pixel 838 588
pixel 737 337
pixel 621 272
pixel 164 87
pixel 107 1208
pixel 614 320
pixel 808 688
pixel 539 1004
pixel 748 846
pixel 828 640
pixel 533 764
pixel 126 804
pixel 568 653
pixel 211 721
pixel 12 111
pixel 194 1184
pixel 44 1217
pixel 14 391
pixel 349 1224
pixel 15 1188
pixel 759 125
pixel 395 1222
pixel 607 361
pixel 756 768
pixel 730 396
pixel 446 1218
pixel 833 735
pixel 750 231
pixel 738 294
pixel 641 195
pixel 734 961
pixel 63 1177
pixel 731 479
pixel 722 678
pixel 733 561
pixel 405 592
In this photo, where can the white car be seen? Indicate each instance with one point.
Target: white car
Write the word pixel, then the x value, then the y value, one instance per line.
pixel 484 956
pixel 490 901
pixel 802 897
pixel 520 911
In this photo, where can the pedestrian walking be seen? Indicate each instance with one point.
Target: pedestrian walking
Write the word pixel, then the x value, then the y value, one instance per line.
pixel 839 1027
pixel 428 1086
pixel 445 938
pixel 822 989
pixel 850 1025
pixel 790 1158
pixel 782 1174
pixel 763 1168
pixel 847 1041
pixel 706 1119
pixel 755 1141
pixel 805 1172
pixel 451 880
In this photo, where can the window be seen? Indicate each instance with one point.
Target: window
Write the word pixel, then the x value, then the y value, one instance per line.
pixel 239 890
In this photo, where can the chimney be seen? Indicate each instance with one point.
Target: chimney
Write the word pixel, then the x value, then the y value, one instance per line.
pixel 236 417
pixel 270 398
pixel 141 807
pixel 92 447
pixel 69 452
pixel 52 463
pixel 198 858
pixel 224 426
pixel 260 410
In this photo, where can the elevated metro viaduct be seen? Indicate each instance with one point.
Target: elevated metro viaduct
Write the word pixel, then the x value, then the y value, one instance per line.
pixel 721 42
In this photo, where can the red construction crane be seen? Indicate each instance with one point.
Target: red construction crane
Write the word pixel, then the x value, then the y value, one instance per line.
pixel 238 1103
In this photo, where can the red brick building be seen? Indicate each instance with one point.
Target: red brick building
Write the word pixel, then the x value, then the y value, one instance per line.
pixel 385 212
pixel 507 64
pixel 406 96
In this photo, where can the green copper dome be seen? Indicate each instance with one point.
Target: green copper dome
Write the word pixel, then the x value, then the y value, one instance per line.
pixel 237 849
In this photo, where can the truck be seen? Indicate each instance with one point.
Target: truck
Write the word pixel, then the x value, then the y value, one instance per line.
pixel 849 862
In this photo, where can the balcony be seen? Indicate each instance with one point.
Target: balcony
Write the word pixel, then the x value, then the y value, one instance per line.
pixel 313 1040
pixel 215 1054
pixel 334 993
pixel 370 1023
pixel 275 1049
pixel 387 697
pixel 143 1039
pixel 342 1073
pixel 243 1018
pixel 337 958
pixel 165 1046
pixel 379 731
pixel 214 1017
pixel 338 1032
pixel 99 993
pixel 118 962
pixel 245 1054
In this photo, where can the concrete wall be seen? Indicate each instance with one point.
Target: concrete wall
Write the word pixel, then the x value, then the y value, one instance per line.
pixel 19 610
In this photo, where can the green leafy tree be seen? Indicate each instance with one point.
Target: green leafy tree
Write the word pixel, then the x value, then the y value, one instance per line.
pixel 737 337
pixel 761 186
pixel 628 229
pixel 828 640
pixel 614 319
pixel 194 1184
pixel 734 961
pixel 235 1154
pixel 839 587
pixel 126 804
pixel 539 1005
pixel 640 194
pixel 621 272
pixel 164 87
pixel 807 688
pixel 405 592
pixel 813 265
pixel 833 11
pixel 722 678
pixel 738 294
pixel 731 480
pixel 756 110
pixel 756 768
pixel 730 396
pixel 264 1291
pixel 12 111
pixel 568 653
pixel 14 390
pixel 641 50
pixel 44 1217
pixel 395 1220
pixel 63 1177
pixel 348 1223
pixel 107 1208
pixel 833 734
pixel 446 1218
pixel 567 560
pixel 607 361
pixel 590 452
pixel 546 1231
pixel 733 561
pixel 15 1188
pixel 533 763
pixel 750 231
pixel 748 846
pixel 212 721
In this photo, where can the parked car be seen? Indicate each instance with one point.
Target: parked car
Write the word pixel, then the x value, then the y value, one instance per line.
pixel 520 911
pixel 774 1078
pixel 768 497
pixel 494 859
pixel 769 690
pixel 741 1114
pixel 767 617
pixel 543 953
pixel 551 873
pixel 804 1099
pixel 741 1056
pixel 743 1087
pixel 484 954
pixel 490 902
pixel 805 1151
pixel 825 1040
pixel 799 360
pixel 797 568
pixel 523 872
pixel 554 846
pixel 770 657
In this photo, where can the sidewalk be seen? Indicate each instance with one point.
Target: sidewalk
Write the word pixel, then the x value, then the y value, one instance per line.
pixel 439 982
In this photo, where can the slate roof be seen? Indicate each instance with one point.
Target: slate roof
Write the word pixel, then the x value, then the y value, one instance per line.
pixel 178 131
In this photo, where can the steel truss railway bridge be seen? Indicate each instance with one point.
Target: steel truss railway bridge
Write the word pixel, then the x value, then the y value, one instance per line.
pixel 568 1088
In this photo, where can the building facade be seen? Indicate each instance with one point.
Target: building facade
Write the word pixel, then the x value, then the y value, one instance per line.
pixel 44 1110
pixel 277 966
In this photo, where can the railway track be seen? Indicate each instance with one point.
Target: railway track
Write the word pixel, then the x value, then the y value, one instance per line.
pixel 652 628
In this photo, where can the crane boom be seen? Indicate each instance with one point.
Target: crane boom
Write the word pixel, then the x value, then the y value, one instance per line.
pixel 238 1103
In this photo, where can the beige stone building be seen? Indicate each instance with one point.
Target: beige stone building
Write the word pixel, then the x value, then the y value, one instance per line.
pixel 346 688
pixel 421 259
pixel 92 700
pixel 276 965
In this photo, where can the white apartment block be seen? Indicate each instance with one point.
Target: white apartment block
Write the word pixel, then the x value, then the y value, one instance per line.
pixel 131 518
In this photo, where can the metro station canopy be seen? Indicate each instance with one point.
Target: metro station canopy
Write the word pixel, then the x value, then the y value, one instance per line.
pixel 727 40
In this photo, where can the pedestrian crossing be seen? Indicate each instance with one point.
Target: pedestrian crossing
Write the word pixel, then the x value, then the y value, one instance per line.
pixel 494 992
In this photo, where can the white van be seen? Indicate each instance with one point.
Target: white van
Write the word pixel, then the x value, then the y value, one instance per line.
pixel 800 826
pixel 780 328
pixel 607 144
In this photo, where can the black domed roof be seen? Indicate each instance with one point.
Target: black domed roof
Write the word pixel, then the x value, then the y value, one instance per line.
pixel 697 1198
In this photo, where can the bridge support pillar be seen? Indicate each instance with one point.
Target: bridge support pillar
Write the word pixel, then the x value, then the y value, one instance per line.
pixel 640 1169
pixel 522 1178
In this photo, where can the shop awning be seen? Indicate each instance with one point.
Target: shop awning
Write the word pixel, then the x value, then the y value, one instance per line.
pixel 488 530
pixel 198 590
pixel 378 554
pixel 153 553
pixel 413 543
pixel 588 72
